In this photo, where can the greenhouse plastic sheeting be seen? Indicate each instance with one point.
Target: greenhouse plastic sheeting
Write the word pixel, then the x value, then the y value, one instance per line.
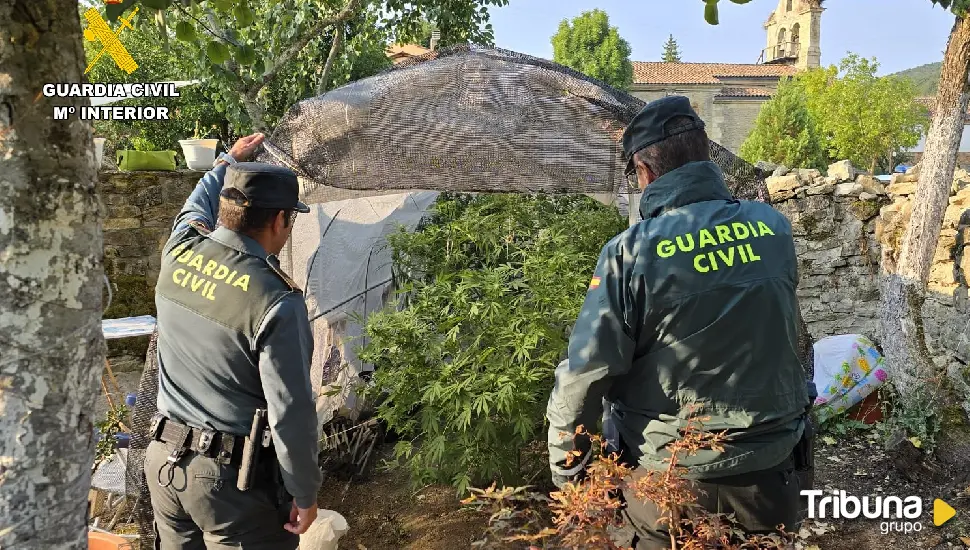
pixel 848 368
pixel 338 255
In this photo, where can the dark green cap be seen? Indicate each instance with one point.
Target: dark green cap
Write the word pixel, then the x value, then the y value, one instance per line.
pixel 647 127
pixel 265 186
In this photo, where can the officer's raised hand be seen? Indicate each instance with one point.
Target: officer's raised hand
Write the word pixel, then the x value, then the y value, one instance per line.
pixel 300 519
pixel 244 147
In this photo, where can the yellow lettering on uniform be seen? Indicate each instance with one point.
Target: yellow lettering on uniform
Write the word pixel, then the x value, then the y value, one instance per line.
pixel 723 233
pixel 754 232
pixel 185 280
pixel 185 256
pixel 666 249
pixel 221 272
pixel 229 278
pixel 765 230
pixel 754 257
pixel 697 263
pixel 196 283
pixel 209 266
pixel 243 283
pixel 175 275
pixel 710 256
pixel 744 257
pixel 207 291
pixel 686 247
pixel 728 258
pixel 707 238
pixel 740 231
pixel 197 262
pixel 178 249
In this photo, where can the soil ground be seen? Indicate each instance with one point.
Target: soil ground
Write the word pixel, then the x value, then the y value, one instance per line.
pixel 384 513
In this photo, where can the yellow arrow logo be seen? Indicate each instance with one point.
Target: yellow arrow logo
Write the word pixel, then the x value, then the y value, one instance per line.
pixel 942 512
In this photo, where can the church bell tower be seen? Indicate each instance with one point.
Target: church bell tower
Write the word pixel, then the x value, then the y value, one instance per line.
pixel 794 34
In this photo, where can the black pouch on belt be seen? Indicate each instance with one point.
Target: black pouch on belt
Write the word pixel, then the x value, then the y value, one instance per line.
pixel 804 451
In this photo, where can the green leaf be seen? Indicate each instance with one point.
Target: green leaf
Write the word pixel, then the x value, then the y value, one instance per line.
pixel 113 11
pixel 710 12
pixel 185 32
pixel 244 16
pixel 217 52
pixel 245 55
pixel 222 5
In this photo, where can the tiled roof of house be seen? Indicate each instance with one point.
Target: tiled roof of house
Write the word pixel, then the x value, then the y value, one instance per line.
pixel 650 72
pixel 404 51
pixel 744 92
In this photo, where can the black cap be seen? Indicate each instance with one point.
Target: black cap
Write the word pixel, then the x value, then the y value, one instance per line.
pixel 265 186
pixel 647 127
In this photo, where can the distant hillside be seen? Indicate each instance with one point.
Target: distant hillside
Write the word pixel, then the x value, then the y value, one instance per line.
pixel 926 78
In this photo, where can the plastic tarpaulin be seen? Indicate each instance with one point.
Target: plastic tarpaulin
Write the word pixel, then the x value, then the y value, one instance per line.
pixel 339 255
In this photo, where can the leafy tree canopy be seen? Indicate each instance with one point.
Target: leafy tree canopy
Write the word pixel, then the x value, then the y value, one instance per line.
pixel 855 115
pixel 591 46
pixel 784 132
pixel 261 57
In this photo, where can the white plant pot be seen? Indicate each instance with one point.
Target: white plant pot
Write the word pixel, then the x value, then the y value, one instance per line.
pixel 199 153
pixel 98 152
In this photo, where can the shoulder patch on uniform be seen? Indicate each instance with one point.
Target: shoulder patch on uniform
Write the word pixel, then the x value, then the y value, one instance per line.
pixel 594 283
pixel 200 227
pixel 286 278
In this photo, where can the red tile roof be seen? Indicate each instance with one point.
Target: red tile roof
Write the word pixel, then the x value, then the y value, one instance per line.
pixel 651 72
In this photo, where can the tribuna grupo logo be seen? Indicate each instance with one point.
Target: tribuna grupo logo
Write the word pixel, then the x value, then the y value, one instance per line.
pixel 898 514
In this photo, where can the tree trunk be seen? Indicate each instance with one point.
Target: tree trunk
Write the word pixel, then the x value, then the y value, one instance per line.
pixel 51 348
pixel 904 288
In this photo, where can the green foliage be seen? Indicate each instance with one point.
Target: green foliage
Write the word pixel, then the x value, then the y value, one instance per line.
pixel 958 7
pixel 925 78
pixel 273 53
pixel 142 144
pixel 864 118
pixel 464 359
pixel 711 13
pixel 784 132
pixel 671 51
pixel 155 64
pixel 591 46
pixel 109 427
pixel 857 116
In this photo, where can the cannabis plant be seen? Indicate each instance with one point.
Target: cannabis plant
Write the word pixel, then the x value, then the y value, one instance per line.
pixel 464 355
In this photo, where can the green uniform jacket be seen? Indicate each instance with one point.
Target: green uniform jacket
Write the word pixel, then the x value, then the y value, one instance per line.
pixel 693 306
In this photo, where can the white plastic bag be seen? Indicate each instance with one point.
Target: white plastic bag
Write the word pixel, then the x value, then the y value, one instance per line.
pixel 324 532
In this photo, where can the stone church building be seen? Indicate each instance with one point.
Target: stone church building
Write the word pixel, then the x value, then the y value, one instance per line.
pixel 728 96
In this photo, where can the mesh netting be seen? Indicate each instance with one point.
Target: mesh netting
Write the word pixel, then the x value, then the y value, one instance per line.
pixel 466 119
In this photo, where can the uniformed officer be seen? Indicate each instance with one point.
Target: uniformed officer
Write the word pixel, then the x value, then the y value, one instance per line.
pixel 693 307
pixel 233 337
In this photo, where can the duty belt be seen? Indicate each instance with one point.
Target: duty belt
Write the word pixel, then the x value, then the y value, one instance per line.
pixel 222 447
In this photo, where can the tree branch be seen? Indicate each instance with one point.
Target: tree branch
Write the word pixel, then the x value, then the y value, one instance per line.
pixel 298 46
pixel 338 39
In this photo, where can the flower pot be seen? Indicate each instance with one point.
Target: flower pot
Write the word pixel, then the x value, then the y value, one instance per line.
pixel 199 153
pixel 98 152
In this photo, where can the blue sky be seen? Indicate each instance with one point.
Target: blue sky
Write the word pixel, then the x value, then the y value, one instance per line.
pixel 899 33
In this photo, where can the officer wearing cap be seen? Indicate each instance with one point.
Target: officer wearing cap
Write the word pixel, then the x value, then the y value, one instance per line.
pixel 233 338
pixel 692 311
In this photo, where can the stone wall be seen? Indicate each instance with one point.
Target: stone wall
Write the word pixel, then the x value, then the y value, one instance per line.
pixel 139 209
pixel 844 223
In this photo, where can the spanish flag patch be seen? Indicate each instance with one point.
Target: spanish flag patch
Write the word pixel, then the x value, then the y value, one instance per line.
pixel 594 283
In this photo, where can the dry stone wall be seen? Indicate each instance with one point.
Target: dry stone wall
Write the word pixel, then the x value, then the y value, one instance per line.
pixel 846 223
pixel 843 220
pixel 139 210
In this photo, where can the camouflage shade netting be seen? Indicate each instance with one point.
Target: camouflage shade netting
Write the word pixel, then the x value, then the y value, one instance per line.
pixel 466 119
